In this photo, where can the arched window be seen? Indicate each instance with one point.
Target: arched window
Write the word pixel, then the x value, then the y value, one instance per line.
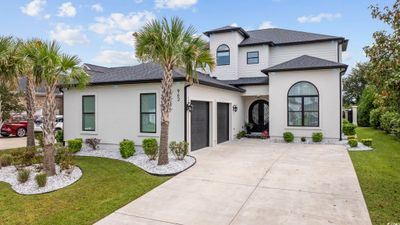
pixel 303 105
pixel 223 55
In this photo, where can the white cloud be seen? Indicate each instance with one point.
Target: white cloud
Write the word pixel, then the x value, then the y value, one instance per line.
pixel 33 8
pixel 67 10
pixel 318 18
pixel 97 7
pixel 234 25
pixel 115 58
pixel 119 27
pixel 266 25
pixel 69 35
pixel 138 1
pixel 174 4
pixel 47 16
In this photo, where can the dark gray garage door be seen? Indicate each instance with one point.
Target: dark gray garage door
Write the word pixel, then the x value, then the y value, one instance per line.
pixel 200 125
pixel 222 122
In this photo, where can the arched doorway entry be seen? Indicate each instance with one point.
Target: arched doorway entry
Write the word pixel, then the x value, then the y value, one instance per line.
pixel 259 115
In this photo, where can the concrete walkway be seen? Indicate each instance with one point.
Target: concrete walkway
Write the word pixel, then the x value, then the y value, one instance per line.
pixel 12 142
pixel 253 182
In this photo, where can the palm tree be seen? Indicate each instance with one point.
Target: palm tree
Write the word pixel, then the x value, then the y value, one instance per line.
pixel 171 45
pixel 8 76
pixel 54 68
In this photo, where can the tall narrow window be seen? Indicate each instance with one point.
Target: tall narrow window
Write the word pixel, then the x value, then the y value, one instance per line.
pixel 148 113
pixel 223 55
pixel 252 57
pixel 303 105
pixel 88 113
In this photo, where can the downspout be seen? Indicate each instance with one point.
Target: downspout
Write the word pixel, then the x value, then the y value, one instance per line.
pixel 184 110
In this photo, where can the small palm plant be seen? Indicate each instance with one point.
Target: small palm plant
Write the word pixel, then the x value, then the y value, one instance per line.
pixel 172 46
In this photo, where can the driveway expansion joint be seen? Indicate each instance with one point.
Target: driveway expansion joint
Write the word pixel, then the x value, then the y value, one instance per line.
pixel 146 218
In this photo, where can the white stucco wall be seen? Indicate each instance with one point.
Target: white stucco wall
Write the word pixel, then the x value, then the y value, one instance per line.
pixel 118 112
pixel 324 50
pixel 328 85
pixel 232 39
pixel 253 70
pixel 213 96
pixel 255 90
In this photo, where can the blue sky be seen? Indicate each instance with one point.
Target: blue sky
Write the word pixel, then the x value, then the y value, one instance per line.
pixel 98 31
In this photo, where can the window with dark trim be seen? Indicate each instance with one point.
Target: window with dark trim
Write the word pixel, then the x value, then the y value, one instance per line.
pixel 303 105
pixel 252 57
pixel 223 55
pixel 88 113
pixel 148 109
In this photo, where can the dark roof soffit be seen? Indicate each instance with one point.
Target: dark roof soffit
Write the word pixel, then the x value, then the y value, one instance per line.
pixel 270 43
pixel 238 29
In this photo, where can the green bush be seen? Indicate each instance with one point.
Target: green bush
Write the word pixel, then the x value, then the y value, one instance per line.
pixel 288 136
pixel 366 105
pixel 390 121
pixel 41 179
pixel 6 160
pixel 241 134
pixel 60 136
pixel 93 143
pixel 75 144
pixel 127 148
pixel 303 139
pixel 367 142
pixel 65 158
pixel 23 175
pixel 150 148
pixel 39 138
pixel 180 150
pixel 375 117
pixel 317 136
pixel 345 121
pixel 349 129
pixel 353 143
pixel 351 137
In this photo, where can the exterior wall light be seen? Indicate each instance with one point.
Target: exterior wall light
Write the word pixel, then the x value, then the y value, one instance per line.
pixel 235 108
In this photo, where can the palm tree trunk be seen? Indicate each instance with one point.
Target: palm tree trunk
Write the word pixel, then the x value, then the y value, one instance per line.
pixel 30 111
pixel 49 119
pixel 166 107
pixel 1 112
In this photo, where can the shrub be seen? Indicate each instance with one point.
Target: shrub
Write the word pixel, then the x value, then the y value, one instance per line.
pixel 65 158
pixel 75 144
pixel 127 148
pixel 39 138
pixel 6 160
pixel 303 139
pixel 353 143
pixel 288 136
pixel 180 150
pixel 23 175
pixel 366 105
pixel 375 117
pixel 60 136
pixel 317 136
pixel 93 143
pixel 349 129
pixel 351 137
pixel 241 134
pixel 389 122
pixel 150 147
pixel 367 142
pixel 264 134
pixel 41 179
pixel 345 121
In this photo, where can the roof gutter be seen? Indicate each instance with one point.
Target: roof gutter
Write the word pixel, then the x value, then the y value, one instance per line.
pixel 267 71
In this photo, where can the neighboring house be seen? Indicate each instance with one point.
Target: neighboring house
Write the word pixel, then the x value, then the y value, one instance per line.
pixel 40 98
pixel 279 80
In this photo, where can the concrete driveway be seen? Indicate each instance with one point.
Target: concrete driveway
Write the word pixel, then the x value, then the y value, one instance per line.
pixel 12 142
pixel 254 182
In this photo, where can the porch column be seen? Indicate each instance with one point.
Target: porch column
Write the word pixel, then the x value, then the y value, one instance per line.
pixel 354 111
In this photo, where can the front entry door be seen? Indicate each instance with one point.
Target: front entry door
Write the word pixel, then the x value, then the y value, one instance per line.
pixel 259 115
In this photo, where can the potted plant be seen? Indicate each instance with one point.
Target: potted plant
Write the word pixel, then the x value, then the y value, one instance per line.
pixel 248 126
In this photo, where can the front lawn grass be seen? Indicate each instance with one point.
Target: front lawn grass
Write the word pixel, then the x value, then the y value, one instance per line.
pixel 378 172
pixel 105 186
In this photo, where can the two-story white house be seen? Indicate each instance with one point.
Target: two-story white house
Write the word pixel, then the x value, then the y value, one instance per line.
pixel 278 80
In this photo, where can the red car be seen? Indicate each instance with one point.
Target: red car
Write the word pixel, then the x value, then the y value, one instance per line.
pixel 14 128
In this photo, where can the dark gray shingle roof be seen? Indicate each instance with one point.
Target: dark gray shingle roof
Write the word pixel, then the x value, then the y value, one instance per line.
pixel 226 29
pixel 304 62
pixel 249 81
pixel 145 73
pixel 277 36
